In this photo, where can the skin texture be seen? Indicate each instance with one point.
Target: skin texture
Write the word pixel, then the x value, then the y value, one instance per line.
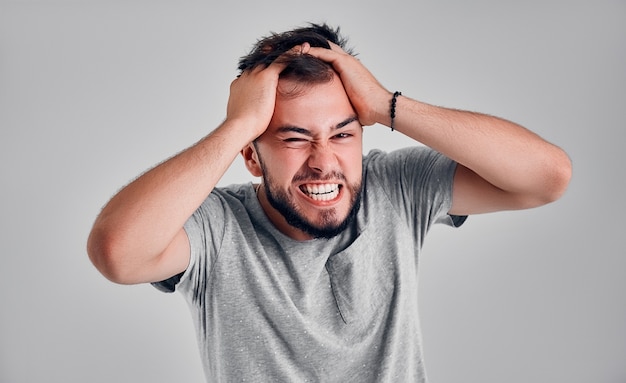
pixel 139 236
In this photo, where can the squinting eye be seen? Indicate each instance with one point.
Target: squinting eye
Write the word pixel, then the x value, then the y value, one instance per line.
pixel 343 135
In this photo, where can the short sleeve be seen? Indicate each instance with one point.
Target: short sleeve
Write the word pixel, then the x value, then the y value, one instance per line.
pixel 205 231
pixel 419 181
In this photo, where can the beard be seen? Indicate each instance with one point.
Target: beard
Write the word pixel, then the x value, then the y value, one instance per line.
pixel 329 225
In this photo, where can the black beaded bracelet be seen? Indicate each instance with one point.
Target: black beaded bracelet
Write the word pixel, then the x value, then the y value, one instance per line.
pixel 393 107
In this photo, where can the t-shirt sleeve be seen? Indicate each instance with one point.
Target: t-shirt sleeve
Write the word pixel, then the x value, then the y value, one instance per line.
pixel 418 180
pixel 205 231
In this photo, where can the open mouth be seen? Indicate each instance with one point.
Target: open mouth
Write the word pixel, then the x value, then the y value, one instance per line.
pixel 321 192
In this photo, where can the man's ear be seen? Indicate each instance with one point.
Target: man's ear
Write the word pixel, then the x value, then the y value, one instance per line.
pixel 251 159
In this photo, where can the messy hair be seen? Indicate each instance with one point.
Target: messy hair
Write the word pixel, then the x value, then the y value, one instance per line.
pixel 305 68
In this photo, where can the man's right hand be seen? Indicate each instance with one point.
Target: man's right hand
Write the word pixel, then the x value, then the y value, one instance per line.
pixel 253 96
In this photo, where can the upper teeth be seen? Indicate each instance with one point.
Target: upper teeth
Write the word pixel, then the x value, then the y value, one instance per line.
pixel 325 192
pixel 321 189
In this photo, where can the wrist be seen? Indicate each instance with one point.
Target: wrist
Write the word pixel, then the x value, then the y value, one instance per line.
pixel 245 129
pixel 392 108
pixel 380 108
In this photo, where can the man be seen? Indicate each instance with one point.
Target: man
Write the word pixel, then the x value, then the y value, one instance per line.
pixel 311 275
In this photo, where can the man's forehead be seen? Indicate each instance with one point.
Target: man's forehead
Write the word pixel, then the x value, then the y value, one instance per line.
pixel 320 107
pixel 289 87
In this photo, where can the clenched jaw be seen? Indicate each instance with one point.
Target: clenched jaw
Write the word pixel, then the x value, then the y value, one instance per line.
pixel 321 192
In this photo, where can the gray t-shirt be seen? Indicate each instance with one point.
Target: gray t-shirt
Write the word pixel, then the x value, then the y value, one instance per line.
pixel 268 308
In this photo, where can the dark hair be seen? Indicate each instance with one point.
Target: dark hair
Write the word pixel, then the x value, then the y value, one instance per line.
pixel 304 68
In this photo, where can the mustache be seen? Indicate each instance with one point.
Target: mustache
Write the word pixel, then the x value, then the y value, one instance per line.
pixel 312 176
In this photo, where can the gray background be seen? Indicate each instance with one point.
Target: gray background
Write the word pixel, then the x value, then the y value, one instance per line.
pixel 92 93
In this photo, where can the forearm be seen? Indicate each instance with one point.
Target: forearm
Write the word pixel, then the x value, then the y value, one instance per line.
pixel 140 222
pixel 503 153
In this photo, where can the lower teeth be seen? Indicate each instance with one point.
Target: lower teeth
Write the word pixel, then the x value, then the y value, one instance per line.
pixel 324 196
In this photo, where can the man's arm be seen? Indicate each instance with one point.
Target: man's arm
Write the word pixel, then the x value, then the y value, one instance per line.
pixel 139 237
pixel 502 166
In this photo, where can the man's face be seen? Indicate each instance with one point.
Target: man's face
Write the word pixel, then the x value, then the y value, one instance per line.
pixel 311 159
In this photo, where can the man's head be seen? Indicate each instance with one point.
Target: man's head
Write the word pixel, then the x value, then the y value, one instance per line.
pixel 304 69
pixel 310 156
pixel 270 48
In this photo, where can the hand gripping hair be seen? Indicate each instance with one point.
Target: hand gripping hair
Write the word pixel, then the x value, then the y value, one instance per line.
pixel 301 67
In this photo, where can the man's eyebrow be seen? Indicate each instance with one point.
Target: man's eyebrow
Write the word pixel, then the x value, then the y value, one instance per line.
pixel 306 132
pixel 346 122
pixel 294 129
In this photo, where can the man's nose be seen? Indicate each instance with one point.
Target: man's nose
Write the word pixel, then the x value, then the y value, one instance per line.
pixel 322 159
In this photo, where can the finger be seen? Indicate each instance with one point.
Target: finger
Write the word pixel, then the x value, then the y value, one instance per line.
pixel 281 62
pixel 325 54
pixel 335 48
pixel 305 47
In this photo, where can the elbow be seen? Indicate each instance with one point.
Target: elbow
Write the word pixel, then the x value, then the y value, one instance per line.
pixel 105 254
pixel 562 174
pixel 557 178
